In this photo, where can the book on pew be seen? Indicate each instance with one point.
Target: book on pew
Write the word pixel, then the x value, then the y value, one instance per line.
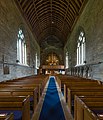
pixel 100 116
pixel 3 115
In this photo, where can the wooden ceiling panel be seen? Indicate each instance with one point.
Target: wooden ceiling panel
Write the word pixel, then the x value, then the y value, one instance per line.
pixel 47 32
pixel 48 17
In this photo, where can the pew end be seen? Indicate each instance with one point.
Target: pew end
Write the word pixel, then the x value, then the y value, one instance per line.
pixel 85 106
pixel 16 104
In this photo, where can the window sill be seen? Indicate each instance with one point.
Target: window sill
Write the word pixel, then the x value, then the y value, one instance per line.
pixel 25 65
pixel 79 65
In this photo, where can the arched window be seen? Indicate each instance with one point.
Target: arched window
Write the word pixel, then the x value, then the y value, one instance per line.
pixel 36 60
pixel 66 60
pixel 81 49
pixel 21 48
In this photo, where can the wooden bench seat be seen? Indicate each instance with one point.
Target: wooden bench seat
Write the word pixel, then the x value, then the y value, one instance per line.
pixel 37 79
pixel 40 79
pixel 28 83
pixel 31 85
pixel 88 108
pixel 21 92
pixel 81 92
pixel 79 81
pixel 81 86
pixel 71 79
pixel 20 106
pixel 85 83
pixel 69 84
pixel 76 81
pixel 22 86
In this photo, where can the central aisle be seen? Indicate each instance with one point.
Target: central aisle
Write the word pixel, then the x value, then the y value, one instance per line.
pixel 52 109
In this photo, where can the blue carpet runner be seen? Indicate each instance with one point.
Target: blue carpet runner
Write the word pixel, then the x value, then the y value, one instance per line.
pixel 52 109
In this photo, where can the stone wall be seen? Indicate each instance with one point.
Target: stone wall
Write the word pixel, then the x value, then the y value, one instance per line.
pixel 91 20
pixel 10 22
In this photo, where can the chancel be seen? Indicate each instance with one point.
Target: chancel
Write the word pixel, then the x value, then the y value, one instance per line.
pixel 51 60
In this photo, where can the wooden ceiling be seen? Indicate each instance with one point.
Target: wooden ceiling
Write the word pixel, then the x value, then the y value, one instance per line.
pixel 51 17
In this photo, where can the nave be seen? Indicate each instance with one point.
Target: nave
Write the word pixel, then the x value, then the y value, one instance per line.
pixel 43 38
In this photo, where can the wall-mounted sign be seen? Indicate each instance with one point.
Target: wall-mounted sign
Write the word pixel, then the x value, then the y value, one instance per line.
pixel 6 69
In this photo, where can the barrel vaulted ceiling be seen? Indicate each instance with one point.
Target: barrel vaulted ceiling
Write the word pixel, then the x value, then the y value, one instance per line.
pixel 51 20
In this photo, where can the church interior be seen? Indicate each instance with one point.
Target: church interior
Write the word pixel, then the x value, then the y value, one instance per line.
pixel 51 60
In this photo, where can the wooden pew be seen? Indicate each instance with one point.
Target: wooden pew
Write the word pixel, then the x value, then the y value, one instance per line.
pixel 6 116
pixel 72 80
pixel 21 92
pixel 69 77
pixel 85 107
pixel 16 104
pixel 82 92
pixel 75 83
pixel 66 79
pixel 22 86
pixel 41 79
pixel 28 81
pixel 26 86
pixel 80 85
pixel 25 83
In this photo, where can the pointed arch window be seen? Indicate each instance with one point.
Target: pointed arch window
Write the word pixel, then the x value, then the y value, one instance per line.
pixel 66 60
pixel 21 48
pixel 81 49
pixel 36 60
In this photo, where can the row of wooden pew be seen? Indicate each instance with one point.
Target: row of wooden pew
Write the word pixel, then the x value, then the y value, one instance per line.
pixel 20 97
pixel 83 96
